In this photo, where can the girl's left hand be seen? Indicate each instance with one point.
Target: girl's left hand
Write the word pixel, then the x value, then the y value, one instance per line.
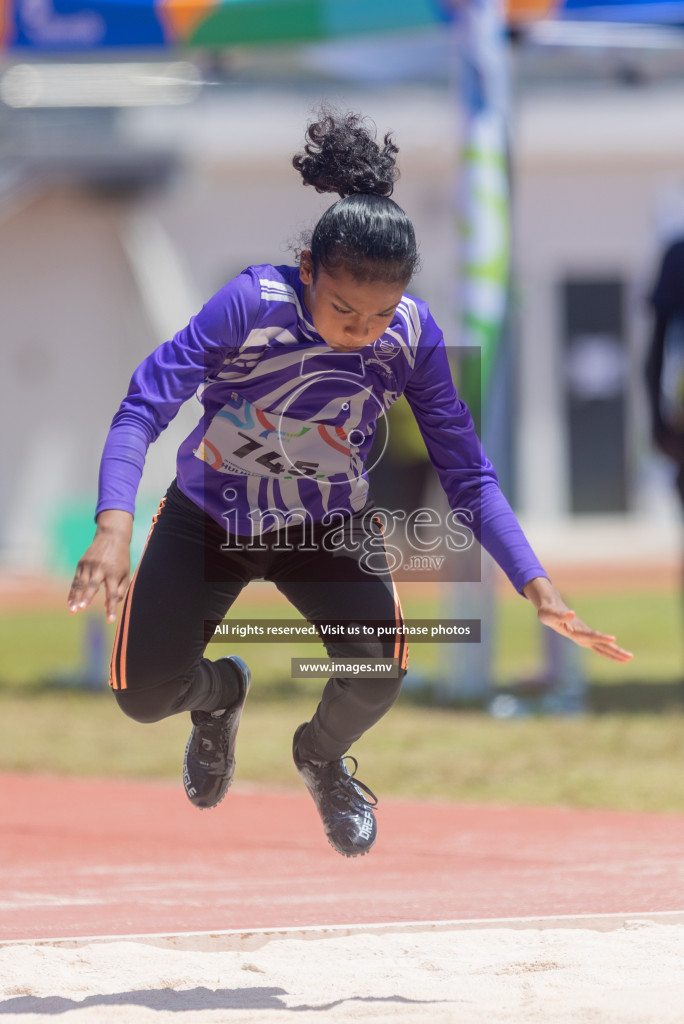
pixel 553 612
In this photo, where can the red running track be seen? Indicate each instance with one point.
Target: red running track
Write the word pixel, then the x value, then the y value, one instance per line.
pixel 93 857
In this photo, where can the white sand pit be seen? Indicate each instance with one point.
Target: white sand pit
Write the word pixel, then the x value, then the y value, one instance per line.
pixel 517 975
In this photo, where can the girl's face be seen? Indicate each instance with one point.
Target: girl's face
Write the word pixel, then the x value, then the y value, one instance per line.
pixel 348 314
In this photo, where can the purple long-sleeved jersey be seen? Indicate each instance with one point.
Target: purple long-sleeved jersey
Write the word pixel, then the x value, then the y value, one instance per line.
pixel 288 422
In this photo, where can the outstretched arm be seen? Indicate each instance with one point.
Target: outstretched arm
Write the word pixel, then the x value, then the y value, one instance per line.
pixel 553 612
pixel 158 388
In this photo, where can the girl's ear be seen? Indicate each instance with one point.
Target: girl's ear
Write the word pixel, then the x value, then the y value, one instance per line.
pixel 305 267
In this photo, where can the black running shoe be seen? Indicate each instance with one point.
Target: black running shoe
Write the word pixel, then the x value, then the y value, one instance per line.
pixel 346 814
pixel 209 763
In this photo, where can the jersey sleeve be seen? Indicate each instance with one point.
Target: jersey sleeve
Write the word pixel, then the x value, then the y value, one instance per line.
pixel 167 378
pixel 464 470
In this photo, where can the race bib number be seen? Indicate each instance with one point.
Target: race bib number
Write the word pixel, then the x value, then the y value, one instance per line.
pixel 244 440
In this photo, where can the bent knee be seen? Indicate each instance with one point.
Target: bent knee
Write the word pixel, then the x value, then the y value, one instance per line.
pixel 399 680
pixel 144 706
pixel 380 690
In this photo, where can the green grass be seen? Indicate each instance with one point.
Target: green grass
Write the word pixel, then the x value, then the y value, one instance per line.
pixel 630 755
pixel 622 761
pixel 48 645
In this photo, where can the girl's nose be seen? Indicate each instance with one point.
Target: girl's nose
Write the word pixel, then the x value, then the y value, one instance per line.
pixel 358 329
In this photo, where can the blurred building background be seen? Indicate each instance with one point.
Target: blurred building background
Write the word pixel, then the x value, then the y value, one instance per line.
pixel 117 221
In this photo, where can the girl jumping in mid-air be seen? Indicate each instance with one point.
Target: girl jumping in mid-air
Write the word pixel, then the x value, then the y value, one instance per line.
pixel 294 365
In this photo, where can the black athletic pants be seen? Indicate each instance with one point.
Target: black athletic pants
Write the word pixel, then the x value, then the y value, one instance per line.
pixel 187 580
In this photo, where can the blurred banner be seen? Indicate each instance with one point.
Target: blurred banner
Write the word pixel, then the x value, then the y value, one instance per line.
pixel 93 24
pixel 82 25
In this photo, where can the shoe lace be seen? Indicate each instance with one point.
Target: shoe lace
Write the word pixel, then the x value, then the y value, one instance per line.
pixel 347 786
pixel 209 733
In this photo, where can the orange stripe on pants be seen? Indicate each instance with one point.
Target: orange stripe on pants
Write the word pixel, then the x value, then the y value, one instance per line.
pixel 117 680
pixel 401 650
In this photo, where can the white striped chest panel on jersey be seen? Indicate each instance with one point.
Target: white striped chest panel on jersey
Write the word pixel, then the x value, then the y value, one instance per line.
pixel 338 398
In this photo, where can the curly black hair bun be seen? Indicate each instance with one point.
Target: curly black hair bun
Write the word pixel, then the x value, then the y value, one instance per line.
pixel 364 231
pixel 342 155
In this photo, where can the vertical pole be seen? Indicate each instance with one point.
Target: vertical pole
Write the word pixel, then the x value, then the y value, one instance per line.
pixel 486 379
pixel 483 213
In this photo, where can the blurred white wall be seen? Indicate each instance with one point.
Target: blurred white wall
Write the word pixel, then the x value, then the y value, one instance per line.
pixel 592 174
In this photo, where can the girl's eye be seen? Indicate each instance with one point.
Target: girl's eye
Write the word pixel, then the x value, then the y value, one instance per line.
pixel 378 316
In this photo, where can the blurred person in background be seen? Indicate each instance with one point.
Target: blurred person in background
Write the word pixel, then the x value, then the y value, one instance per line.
pixel 665 360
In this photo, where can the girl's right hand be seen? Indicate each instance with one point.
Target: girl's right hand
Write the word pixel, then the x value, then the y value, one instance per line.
pixel 107 561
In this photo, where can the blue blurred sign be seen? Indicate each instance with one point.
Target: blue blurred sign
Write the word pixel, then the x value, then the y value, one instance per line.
pixel 669 12
pixel 81 25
